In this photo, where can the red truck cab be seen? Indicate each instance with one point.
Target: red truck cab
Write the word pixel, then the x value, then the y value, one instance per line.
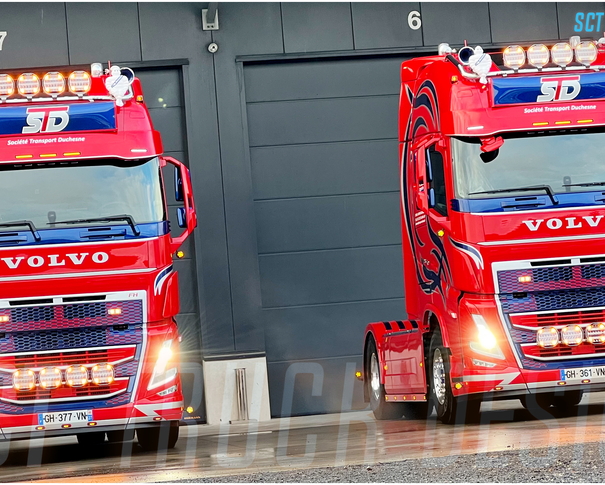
pixel 503 218
pixel 88 293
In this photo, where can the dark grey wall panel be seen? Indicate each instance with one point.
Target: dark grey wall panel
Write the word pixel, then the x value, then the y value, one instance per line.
pixel 315 277
pixel 324 79
pixel 333 379
pixel 455 22
pixel 315 26
pixel 105 33
pixel 323 120
pixel 250 28
pixel 574 19
pixel 327 222
pixel 162 88
pixel 526 22
pixel 185 38
pixel 325 169
pixel 36 35
pixel 379 25
pixel 169 122
pixel 324 331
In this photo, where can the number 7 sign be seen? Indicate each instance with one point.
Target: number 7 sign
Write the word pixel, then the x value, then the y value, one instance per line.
pixel 3 35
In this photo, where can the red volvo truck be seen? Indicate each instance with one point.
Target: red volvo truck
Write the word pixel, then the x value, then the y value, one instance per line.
pixel 88 292
pixel 503 223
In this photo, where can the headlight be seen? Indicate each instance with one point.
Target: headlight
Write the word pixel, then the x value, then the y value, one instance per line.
pixel 161 373
pixel 76 376
pixel 485 342
pixel 547 337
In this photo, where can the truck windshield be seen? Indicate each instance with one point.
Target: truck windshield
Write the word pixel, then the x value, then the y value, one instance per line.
pixel 46 193
pixel 566 162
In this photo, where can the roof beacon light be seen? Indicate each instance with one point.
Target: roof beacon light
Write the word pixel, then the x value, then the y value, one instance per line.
pixel 28 85
pixel 7 86
pixel 538 55
pixel 586 53
pixel 513 57
pixel 53 83
pixel 96 69
pixel 562 54
pixel 79 82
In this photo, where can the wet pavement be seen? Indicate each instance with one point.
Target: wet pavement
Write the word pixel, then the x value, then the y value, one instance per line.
pixel 304 443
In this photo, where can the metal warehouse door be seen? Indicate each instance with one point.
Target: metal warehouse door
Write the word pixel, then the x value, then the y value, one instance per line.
pixel 163 90
pixel 324 164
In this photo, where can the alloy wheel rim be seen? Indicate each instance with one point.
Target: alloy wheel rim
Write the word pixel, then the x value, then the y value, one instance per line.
pixel 375 377
pixel 439 376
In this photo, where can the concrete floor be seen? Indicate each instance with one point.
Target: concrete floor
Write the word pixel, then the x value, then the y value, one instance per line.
pixel 300 443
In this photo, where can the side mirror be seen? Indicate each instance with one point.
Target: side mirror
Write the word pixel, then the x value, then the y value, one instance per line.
pixel 431 197
pixel 187 217
pixel 178 185
pixel 182 217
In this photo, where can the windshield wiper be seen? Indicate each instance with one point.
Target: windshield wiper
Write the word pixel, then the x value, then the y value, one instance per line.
pixel 546 188
pixel 29 224
pixel 123 217
pixel 587 184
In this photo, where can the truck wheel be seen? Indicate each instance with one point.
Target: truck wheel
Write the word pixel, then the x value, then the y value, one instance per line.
pixel 450 409
pixel 381 408
pixel 91 439
pixel 159 438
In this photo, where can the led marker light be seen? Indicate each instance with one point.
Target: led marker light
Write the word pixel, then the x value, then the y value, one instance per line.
pixel 561 54
pixel 547 337
pixel 114 311
pixel 28 84
pixel 525 279
pixel 5 318
pixel 513 57
pixel 538 55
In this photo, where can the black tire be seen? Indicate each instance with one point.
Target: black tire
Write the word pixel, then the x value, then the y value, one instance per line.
pixel 91 439
pixel 120 436
pixel 382 409
pixel 450 409
pixel 159 438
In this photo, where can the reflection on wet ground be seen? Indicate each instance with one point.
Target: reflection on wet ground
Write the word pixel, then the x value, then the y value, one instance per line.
pixel 302 442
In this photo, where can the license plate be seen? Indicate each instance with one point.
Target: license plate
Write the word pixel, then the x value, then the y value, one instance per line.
pixel 580 373
pixel 65 417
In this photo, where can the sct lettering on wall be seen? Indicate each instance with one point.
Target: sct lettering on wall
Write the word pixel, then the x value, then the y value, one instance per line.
pixel 589 22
